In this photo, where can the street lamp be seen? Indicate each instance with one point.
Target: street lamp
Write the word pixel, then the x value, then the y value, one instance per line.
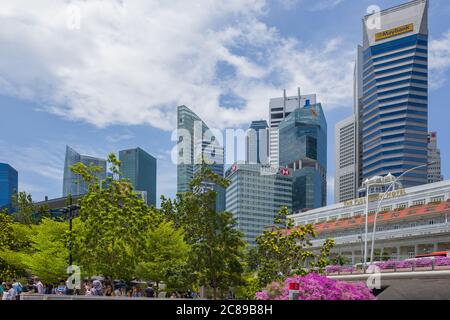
pixel 70 209
pixel 381 200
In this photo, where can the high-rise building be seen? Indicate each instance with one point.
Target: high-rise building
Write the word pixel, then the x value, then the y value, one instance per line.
pixel 434 159
pixel 8 186
pixel 346 173
pixel 254 198
pixel 257 143
pixel 139 168
pixel 348 143
pixel 394 108
pixel 303 149
pixel 280 108
pixel 73 184
pixel 196 145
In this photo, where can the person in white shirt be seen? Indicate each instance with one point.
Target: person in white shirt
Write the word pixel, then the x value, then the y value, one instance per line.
pixel 39 285
pixel 10 293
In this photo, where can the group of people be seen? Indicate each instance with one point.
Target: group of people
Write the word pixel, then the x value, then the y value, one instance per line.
pixel 12 290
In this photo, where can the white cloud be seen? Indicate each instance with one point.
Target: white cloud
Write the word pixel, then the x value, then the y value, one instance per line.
pixel 133 62
pixel 120 136
pixel 324 5
pixel 41 161
pixel 439 59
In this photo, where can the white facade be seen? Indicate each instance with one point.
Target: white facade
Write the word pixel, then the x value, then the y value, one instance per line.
pixel 346 175
pixel 434 157
pixel 399 198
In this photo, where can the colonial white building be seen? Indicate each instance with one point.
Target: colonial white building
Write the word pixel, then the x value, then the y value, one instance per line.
pixel 411 221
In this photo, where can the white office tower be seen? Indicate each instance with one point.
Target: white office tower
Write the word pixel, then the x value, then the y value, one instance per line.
pixel 346 175
pixel 348 143
pixel 280 108
pixel 434 158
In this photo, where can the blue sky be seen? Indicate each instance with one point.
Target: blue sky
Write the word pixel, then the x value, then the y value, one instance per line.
pixel 114 81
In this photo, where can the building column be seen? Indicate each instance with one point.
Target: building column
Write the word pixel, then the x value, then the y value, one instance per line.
pixel 435 247
pixel 398 252
pixel 353 257
pixel 416 249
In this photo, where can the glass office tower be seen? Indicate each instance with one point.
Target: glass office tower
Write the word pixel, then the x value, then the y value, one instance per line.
pixel 139 167
pixel 303 149
pixel 197 144
pixel 279 109
pixel 8 186
pixel 254 198
pixel 394 111
pixel 257 143
pixel 73 184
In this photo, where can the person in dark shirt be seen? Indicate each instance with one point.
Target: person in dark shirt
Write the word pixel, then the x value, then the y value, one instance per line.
pixel 149 292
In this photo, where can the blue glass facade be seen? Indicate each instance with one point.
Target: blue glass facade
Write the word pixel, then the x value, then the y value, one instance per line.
pixel 394 106
pixel 257 143
pixel 303 149
pixel 8 186
pixel 72 183
pixel 139 168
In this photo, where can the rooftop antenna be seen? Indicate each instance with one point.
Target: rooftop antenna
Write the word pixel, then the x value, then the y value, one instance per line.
pixel 299 98
pixel 284 102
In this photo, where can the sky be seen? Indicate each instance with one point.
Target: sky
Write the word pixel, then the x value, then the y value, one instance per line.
pixel 102 76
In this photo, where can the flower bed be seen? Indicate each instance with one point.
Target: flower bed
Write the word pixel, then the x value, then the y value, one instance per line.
pixel 317 287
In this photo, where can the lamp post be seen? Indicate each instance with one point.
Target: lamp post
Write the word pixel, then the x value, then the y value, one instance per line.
pixel 381 200
pixel 69 210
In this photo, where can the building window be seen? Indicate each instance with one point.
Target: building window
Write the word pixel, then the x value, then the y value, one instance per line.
pixel 402 205
pixel 359 213
pixel 419 202
pixel 437 199
pixel 386 209
pixel 431 221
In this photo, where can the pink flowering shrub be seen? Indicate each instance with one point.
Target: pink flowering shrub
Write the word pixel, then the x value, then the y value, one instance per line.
pixel 317 287
pixel 442 261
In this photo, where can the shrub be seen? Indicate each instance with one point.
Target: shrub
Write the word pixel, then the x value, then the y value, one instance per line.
pixel 317 287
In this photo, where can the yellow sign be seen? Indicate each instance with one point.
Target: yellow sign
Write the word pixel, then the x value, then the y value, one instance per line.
pixel 394 32
pixel 375 197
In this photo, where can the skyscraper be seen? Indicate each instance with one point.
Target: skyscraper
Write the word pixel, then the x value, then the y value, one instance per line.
pixel 280 108
pixel 346 173
pixel 394 109
pixel 434 159
pixel 8 186
pixel 254 198
pixel 73 184
pixel 197 144
pixel 257 143
pixel 303 149
pixel 139 168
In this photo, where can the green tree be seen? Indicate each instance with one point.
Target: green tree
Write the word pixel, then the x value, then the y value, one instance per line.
pixel 47 256
pixel 110 234
pixel 165 249
pixel 23 203
pixel 217 246
pixel 14 238
pixel 284 250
